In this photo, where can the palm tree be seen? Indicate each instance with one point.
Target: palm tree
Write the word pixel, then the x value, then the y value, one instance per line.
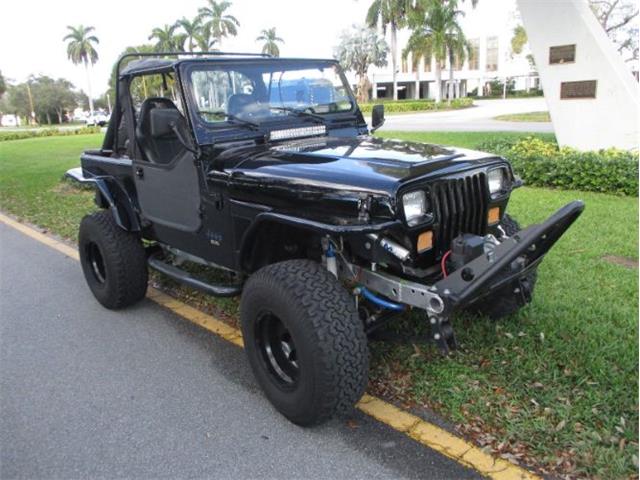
pixel 359 48
pixel 459 48
pixel 215 20
pixel 80 49
pixel 166 39
pixel 418 47
pixel 391 14
pixel 3 85
pixel 191 28
pixel 270 39
pixel 437 33
pixel 204 41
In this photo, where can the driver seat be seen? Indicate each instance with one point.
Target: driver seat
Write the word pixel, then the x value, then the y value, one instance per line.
pixel 157 148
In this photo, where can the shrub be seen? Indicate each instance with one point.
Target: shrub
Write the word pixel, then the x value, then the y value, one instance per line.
pixel 544 164
pixel 47 132
pixel 534 92
pixel 391 106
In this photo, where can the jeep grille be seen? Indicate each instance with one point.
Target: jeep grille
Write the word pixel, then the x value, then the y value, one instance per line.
pixel 460 206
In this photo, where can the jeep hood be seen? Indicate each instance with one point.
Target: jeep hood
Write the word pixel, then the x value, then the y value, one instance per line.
pixel 357 164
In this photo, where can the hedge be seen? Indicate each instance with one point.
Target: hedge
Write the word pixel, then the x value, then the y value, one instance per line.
pixel 544 164
pixel 47 132
pixel 391 106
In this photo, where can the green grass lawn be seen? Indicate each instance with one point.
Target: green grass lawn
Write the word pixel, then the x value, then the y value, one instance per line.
pixel 525 117
pixel 557 383
pixel 461 139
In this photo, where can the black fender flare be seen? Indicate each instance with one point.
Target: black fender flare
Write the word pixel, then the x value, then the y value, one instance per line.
pixel 266 218
pixel 113 196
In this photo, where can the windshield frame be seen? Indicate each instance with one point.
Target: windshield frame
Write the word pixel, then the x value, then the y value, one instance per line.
pixel 207 132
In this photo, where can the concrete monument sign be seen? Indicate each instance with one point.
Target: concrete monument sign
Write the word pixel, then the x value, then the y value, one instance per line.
pixel 593 99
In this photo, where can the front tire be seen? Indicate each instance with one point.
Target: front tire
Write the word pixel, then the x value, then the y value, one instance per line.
pixel 304 340
pixel 113 261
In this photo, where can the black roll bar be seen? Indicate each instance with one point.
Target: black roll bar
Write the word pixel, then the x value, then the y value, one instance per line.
pixel 165 54
pixel 194 54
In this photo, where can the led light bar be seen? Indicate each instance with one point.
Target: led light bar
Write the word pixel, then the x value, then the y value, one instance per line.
pixel 298 132
pixel 300 145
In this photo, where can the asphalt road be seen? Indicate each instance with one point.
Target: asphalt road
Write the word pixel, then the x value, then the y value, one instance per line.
pixel 479 118
pixel 86 393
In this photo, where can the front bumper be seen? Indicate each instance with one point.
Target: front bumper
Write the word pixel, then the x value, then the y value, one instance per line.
pixel 507 263
pixel 484 274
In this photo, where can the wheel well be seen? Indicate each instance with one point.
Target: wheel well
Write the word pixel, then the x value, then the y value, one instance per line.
pixel 274 242
pixel 110 196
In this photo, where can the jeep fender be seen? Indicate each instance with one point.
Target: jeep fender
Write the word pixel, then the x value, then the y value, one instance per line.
pixel 110 195
pixel 264 220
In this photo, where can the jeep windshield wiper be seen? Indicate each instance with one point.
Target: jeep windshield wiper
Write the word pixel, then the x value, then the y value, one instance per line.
pixel 233 118
pixel 300 113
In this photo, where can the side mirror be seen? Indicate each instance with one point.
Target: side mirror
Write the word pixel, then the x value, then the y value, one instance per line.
pixel 162 121
pixel 377 117
pixel 169 122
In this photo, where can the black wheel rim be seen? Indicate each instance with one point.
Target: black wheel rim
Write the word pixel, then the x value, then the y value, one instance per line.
pixel 96 262
pixel 277 350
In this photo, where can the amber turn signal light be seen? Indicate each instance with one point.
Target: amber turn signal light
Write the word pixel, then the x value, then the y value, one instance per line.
pixel 493 216
pixel 425 241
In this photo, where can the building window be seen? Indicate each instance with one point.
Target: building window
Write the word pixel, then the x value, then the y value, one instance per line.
pixel 474 54
pixel 410 64
pixel 457 63
pixel 492 54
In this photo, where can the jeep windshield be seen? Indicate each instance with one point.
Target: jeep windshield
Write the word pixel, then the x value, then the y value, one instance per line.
pixel 256 93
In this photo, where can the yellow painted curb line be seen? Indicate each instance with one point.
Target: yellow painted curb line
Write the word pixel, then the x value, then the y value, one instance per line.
pixel 414 427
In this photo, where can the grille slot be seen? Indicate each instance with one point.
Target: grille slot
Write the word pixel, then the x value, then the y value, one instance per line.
pixel 460 206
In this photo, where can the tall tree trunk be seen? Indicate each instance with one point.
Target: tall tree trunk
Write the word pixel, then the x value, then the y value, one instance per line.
pixel 59 112
pixel 438 75
pixel 450 86
pixel 362 95
pixel 89 94
pixel 394 60
pixel 48 118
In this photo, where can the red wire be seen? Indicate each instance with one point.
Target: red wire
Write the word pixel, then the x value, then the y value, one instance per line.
pixel 443 263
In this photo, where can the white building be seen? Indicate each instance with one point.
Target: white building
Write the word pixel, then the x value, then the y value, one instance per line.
pixel 489 28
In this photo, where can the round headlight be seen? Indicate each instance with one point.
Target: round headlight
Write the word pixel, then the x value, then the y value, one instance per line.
pixel 415 205
pixel 497 180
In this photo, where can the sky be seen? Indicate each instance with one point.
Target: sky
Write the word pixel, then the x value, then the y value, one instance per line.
pixel 31 31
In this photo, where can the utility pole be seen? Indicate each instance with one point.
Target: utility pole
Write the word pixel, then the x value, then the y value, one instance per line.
pixel 109 103
pixel 33 111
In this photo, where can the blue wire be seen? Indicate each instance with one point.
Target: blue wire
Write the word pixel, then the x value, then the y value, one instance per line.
pixel 381 302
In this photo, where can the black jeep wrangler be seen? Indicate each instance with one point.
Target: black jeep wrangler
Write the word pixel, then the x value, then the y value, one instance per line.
pixel 264 170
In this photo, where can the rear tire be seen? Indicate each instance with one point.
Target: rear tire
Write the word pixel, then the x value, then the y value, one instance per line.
pixel 113 261
pixel 304 340
pixel 505 301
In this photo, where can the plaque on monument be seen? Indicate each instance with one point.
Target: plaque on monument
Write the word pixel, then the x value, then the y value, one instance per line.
pixel 581 89
pixel 562 54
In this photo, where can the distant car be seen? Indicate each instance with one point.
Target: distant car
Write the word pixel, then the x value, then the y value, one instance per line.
pixel 97 119
pixel 9 121
pixel 264 171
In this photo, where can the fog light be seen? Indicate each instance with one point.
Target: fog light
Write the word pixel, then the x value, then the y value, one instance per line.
pixel 493 216
pixel 425 241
